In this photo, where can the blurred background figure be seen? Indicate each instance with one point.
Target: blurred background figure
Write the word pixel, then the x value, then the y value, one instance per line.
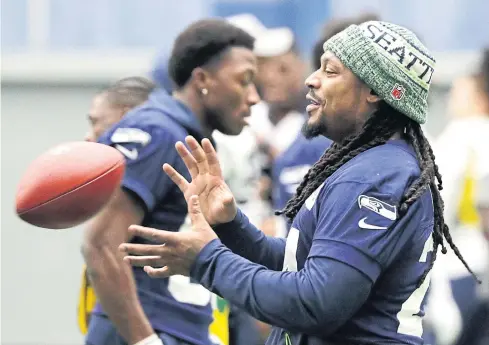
pixel 238 156
pixel 54 64
pixel 108 107
pixel 463 158
pixel 278 118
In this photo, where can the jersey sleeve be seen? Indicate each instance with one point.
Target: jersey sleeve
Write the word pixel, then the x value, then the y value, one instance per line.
pixel 358 224
pixel 311 301
pixel 244 239
pixel 145 151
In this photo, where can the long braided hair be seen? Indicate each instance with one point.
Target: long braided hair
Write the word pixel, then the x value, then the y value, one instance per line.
pixel 377 130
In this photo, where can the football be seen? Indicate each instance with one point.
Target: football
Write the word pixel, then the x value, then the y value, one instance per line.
pixel 69 184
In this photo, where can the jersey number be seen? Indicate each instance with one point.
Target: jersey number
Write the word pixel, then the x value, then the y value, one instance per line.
pixel 185 291
pixel 410 322
pixel 290 258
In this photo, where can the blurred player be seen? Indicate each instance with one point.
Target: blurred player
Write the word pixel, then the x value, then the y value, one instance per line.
pixel 367 217
pixel 213 67
pixel 276 121
pixel 278 118
pixel 455 297
pixel 108 107
pixel 238 154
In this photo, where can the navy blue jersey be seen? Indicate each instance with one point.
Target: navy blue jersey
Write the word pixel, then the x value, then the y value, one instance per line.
pixel 350 266
pixel 147 136
pixel 288 170
pixel 291 165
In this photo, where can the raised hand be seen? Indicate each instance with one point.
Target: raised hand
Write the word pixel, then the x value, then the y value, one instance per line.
pixel 216 200
pixel 175 252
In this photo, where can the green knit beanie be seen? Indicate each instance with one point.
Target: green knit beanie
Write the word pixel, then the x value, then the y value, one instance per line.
pixel 389 59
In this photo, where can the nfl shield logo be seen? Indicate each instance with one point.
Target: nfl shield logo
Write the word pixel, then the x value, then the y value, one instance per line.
pixel 398 92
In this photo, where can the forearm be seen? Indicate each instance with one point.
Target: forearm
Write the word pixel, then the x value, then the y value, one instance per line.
pixel 312 301
pixel 115 289
pixel 244 239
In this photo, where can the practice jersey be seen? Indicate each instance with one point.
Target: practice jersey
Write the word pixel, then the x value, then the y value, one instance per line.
pixel 240 161
pixel 349 228
pixel 289 169
pixel 146 136
pixel 455 296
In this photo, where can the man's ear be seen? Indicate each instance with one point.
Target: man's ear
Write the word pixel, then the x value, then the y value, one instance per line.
pixel 373 97
pixel 200 78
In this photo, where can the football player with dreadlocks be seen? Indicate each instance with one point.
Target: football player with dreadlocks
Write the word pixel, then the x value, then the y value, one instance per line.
pixel 367 220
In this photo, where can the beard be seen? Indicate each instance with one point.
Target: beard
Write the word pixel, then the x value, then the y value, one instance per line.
pixel 312 130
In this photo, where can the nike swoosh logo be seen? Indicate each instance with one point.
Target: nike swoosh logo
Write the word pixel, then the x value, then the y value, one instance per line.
pixel 131 154
pixel 365 225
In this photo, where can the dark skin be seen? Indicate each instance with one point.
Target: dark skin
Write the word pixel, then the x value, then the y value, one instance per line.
pixel 110 277
pixel 230 94
pixel 230 91
pixel 343 105
pixel 340 102
pixel 102 115
pixel 281 80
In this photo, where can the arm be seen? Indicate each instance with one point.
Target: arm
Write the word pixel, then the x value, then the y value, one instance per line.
pixel 244 239
pixel 310 301
pixel 142 186
pixel 111 278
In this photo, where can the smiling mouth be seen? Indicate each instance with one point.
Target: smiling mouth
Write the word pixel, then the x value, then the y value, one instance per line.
pixel 312 100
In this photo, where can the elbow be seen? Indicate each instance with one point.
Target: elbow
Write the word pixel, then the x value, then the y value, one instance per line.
pixel 322 326
pixel 87 250
pixel 322 321
pixel 95 254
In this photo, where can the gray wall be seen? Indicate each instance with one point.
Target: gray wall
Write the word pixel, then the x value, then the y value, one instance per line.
pixel 40 268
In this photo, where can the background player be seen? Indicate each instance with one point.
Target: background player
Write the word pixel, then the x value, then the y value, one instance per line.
pixel 213 67
pixel 237 153
pixel 456 299
pixel 369 211
pixel 107 108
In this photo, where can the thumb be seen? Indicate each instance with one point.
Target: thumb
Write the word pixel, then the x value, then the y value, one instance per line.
pixel 196 216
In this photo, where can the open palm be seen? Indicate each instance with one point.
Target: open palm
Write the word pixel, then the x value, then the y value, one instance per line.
pixel 216 200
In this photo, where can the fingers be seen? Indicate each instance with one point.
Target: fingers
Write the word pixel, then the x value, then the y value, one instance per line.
pixel 198 154
pixel 195 212
pixel 142 249
pixel 212 160
pixel 141 261
pixel 188 159
pixel 162 272
pixel 178 179
pixel 153 235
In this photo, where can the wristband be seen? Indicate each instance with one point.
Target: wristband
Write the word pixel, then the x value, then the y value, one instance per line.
pixel 151 340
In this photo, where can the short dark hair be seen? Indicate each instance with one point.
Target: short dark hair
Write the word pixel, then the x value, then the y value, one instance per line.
pixel 334 27
pixel 201 42
pixel 129 92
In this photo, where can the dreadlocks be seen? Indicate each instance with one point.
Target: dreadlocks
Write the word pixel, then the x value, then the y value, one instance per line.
pixel 379 128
